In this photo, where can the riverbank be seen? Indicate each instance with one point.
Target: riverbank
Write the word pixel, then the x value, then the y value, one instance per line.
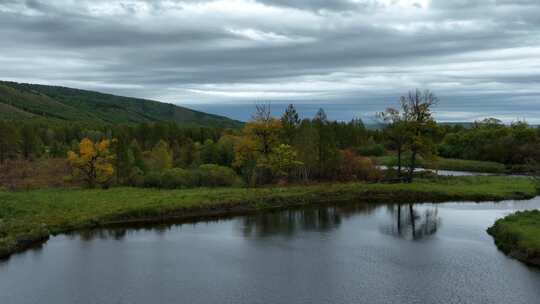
pixel 450 164
pixel 518 235
pixel 28 218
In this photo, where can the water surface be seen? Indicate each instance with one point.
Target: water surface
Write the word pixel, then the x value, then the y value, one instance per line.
pixel 421 253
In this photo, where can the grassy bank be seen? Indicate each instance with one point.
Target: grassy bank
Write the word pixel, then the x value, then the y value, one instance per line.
pixel 518 235
pixel 450 164
pixel 30 217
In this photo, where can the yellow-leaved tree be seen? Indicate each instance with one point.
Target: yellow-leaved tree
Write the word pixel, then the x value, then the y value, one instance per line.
pixel 93 163
pixel 252 151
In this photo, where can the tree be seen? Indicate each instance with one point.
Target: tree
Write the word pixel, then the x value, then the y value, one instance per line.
pixel 189 155
pixel 137 155
pixel 160 158
pixel 225 148
pixel 209 152
pixel 29 141
pixel 396 133
pixel 290 122
pixel 416 107
pixel 260 137
pixel 283 160
pixel 123 159
pixel 326 149
pixel 93 162
pixel 8 140
pixel 263 129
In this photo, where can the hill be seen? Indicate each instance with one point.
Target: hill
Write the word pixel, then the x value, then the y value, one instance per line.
pixel 27 101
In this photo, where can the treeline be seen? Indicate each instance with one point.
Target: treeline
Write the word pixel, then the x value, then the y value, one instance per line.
pixel 516 145
pixel 268 149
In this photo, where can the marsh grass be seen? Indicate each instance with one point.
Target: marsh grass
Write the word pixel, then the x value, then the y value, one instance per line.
pixel 519 235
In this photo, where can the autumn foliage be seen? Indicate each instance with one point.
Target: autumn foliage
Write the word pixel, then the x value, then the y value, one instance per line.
pixel 92 163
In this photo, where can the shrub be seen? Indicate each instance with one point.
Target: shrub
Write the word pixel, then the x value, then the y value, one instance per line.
pixel 152 179
pixel 178 178
pixel 358 168
pixel 136 177
pixel 365 169
pixel 210 175
pixel 371 150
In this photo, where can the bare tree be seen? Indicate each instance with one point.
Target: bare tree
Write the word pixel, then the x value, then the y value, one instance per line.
pixel 262 113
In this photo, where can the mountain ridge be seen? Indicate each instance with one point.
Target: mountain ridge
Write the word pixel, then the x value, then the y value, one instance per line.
pixel 30 101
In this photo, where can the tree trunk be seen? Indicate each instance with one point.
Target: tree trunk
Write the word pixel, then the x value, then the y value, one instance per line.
pixel 399 219
pixel 399 152
pixel 412 166
pixel 413 224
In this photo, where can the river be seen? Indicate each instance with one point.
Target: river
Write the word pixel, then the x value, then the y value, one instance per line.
pixel 353 253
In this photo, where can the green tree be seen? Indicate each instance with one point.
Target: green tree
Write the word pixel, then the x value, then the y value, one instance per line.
pixel 29 141
pixel 209 152
pixel 326 148
pixel 417 109
pixel 8 140
pixel 160 158
pixel 290 122
pixel 397 133
pixel 283 160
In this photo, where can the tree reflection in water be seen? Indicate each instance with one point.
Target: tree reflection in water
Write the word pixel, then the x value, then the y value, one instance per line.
pixel 289 222
pixel 117 234
pixel 410 224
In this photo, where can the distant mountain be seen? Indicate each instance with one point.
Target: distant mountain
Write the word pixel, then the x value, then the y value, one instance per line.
pixel 27 101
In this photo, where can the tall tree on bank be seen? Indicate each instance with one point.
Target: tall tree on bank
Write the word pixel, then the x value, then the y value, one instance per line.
pixel 417 108
pixel 397 133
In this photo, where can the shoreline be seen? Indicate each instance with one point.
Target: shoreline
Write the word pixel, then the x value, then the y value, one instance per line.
pixel 518 236
pixel 52 212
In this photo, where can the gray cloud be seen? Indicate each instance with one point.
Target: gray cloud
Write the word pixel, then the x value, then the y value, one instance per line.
pixel 351 57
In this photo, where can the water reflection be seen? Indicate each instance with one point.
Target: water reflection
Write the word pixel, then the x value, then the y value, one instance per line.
pixel 411 224
pixel 120 233
pixel 289 222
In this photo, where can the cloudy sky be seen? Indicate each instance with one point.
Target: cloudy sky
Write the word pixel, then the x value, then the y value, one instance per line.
pixel 351 57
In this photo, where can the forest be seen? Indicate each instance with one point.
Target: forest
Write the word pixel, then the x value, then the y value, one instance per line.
pixel 269 149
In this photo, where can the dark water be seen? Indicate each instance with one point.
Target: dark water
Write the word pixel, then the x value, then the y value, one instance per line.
pixel 346 254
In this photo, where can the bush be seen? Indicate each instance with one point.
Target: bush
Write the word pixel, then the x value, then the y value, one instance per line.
pixel 178 178
pixel 371 150
pixel 358 168
pixel 136 177
pixel 152 179
pixel 365 169
pixel 210 175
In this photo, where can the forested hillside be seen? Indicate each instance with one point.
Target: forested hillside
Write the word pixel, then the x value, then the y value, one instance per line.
pixel 24 101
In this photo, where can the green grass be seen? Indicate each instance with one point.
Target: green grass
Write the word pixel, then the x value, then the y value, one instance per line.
pixel 519 235
pixel 450 164
pixel 27 217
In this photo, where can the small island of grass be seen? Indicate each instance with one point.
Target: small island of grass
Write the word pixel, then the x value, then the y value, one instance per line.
pixel 518 235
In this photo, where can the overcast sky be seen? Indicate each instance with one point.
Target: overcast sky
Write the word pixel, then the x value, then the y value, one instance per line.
pixel 351 57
